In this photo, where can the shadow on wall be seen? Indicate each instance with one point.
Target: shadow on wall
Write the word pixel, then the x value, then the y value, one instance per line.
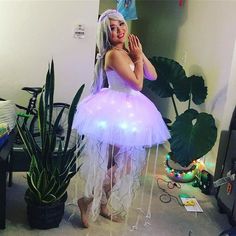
pixel 157 27
pixel 218 96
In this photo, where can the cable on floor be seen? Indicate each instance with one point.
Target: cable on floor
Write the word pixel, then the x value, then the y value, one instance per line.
pixel 166 197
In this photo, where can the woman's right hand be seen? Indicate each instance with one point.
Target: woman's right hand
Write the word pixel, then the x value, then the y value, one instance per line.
pixel 135 48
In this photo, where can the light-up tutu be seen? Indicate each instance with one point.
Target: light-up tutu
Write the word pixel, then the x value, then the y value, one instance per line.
pixel 121 117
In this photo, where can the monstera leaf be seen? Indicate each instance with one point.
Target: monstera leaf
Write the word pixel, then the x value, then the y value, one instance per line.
pixel 197 89
pixel 193 135
pixel 170 74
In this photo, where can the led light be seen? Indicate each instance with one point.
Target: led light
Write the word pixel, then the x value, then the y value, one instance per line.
pixel 134 129
pixel 102 124
pixel 129 105
pixel 182 175
pixel 124 125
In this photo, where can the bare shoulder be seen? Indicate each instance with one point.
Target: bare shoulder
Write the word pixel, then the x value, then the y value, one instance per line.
pixel 114 54
pixel 112 57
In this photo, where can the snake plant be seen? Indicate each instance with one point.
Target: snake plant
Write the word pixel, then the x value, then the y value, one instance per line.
pixel 193 133
pixel 52 164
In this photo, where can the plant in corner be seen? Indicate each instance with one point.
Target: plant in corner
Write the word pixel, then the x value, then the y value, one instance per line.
pixel 193 133
pixel 52 165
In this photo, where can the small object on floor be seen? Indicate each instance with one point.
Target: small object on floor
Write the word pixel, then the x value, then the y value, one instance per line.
pixel 166 197
pixel 196 182
pixel 191 204
pixel 206 182
pixel 184 195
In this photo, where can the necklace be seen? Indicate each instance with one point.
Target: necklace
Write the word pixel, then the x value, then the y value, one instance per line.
pixel 121 49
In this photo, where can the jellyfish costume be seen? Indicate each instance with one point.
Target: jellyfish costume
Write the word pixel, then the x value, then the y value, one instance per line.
pixel 121 124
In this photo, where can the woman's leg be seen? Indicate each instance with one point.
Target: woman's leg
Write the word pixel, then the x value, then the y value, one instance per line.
pixel 83 204
pixel 109 183
pixel 119 173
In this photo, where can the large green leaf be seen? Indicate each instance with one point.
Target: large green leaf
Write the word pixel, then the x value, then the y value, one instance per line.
pixel 182 89
pixel 25 136
pixel 35 167
pixel 41 117
pixel 62 189
pixel 170 74
pixel 193 134
pixel 32 187
pixel 71 115
pixel 51 184
pixel 50 169
pixel 55 128
pixel 51 94
pixel 49 199
pixel 197 89
pixel 42 182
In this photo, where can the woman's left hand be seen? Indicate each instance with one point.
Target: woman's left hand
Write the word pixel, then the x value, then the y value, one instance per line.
pixel 135 48
pixel 137 55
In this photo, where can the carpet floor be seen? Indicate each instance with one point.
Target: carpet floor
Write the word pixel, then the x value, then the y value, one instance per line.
pixel 167 219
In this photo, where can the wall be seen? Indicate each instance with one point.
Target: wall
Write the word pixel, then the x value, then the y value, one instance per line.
pixel 34 32
pixel 230 96
pixel 111 4
pixel 106 4
pixel 201 36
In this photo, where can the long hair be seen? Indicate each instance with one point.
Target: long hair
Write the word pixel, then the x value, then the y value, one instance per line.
pixel 103 45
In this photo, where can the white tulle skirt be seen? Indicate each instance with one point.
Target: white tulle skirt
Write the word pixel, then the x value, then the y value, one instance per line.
pixel 120 126
pixel 120 118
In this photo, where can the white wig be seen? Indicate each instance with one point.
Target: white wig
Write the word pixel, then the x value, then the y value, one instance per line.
pixel 103 45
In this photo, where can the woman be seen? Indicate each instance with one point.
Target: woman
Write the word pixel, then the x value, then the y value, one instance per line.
pixel 119 122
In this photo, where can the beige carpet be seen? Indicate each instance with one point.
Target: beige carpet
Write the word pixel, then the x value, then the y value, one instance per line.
pixel 167 219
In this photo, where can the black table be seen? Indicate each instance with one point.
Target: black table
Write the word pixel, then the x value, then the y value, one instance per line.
pixel 5 152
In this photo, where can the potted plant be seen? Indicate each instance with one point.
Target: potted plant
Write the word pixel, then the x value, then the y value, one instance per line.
pixel 193 133
pixel 52 163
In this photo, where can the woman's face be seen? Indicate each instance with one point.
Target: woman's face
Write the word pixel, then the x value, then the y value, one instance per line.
pixel 118 32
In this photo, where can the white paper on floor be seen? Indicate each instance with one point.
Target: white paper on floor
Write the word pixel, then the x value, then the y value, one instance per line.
pixel 191 204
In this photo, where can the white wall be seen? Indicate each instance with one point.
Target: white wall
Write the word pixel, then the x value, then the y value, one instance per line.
pixel 230 96
pixel 201 36
pixel 207 39
pixel 34 32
